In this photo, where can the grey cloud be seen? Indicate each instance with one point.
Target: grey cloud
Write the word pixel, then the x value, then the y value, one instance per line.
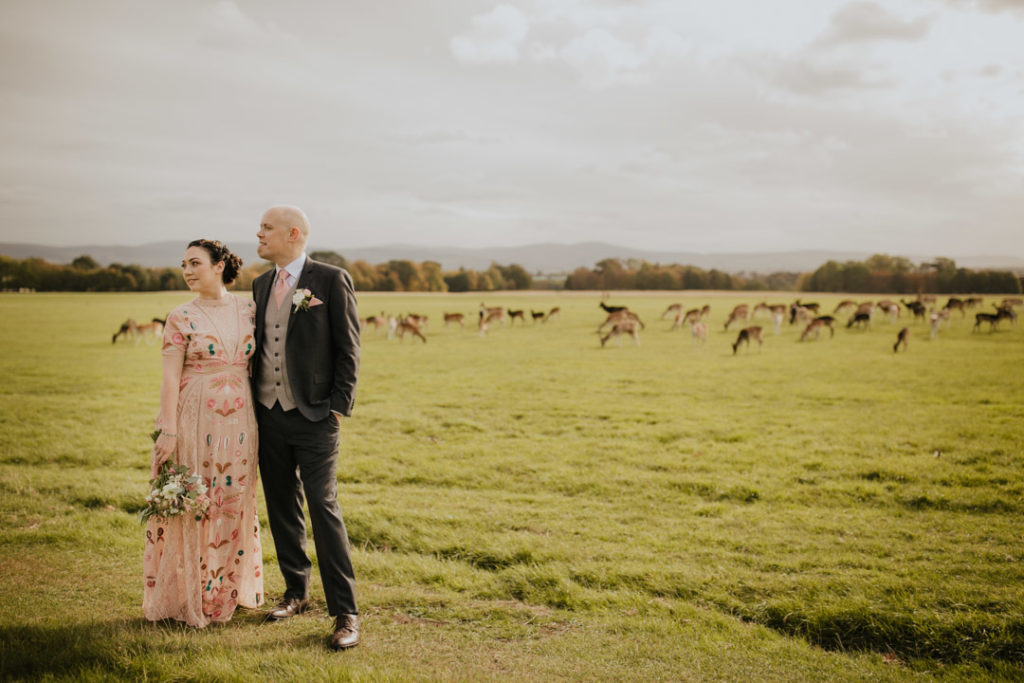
pixel 865 21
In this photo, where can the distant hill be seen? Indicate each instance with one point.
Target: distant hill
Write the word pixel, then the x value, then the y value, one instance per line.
pixel 543 258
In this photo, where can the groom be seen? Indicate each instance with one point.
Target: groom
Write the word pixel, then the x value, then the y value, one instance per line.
pixel 304 380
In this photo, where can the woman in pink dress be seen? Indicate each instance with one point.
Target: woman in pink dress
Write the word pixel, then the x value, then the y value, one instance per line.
pixel 199 571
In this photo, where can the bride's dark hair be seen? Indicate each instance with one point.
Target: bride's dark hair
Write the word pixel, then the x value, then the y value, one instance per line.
pixel 219 252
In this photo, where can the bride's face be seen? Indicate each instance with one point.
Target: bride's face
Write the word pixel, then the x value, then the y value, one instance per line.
pixel 201 275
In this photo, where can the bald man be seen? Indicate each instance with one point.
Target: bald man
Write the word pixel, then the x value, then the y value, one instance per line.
pixel 305 369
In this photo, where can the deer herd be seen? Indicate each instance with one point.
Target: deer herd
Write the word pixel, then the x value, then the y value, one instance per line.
pixel 621 322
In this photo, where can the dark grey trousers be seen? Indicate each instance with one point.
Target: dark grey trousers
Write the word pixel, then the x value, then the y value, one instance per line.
pixel 298 456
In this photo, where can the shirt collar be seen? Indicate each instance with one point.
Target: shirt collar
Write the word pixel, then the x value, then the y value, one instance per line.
pixel 294 268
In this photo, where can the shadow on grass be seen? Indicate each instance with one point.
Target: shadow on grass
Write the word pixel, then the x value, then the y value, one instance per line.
pixel 61 650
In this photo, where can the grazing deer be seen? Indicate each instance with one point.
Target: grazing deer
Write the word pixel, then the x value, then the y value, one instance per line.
pixel 901 338
pixel 419 321
pixel 482 324
pixel 673 308
pixel 493 313
pixel 817 324
pixel 916 307
pixel 151 330
pixel 813 306
pixel 973 302
pixel 1012 302
pixel 957 304
pixel 936 319
pixel 623 326
pixel 868 308
pixel 620 316
pixel 454 318
pixel 688 318
pixel 1008 312
pixel 129 329
pixel 407 324
pixel 740 311
pixel 536 315
pixel 802 314
pixel 552 313
pixel 991 318
pixel 927 298
pixel 890 308
pixel 778 315
pixel 611 309
pixel 861 320
pixel 516 315
pixel 705 311
pixel 746 334
pixel 843 305
pixel 378 321
pixel 699 332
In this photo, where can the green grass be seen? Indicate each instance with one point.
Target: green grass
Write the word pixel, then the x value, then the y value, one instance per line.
pixel 530 505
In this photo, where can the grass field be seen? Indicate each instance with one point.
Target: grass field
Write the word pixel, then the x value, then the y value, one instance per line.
pixel 531 506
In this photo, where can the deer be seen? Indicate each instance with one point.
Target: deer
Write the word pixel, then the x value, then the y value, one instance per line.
pixel 746 334
pixel 936 319
pixel 843 305
pixel 481 324
pixel 556 311
pixel 454 318
pixel 740 311
pixel 619 316
pixel 493 313
pixel 688 318
pixel 151 330
pixel 813 327
pixel 516 315
pixel 868 307
pixel 419 320
pixel 611 309
pixel 705 311
pixel 901 338
pixel 536 315
pixel 861 320
pixel 890 308
pixel 957 304
pixel 1012 302
pixel 796 305
pixel 699 332
pixel 991 318
pixel 407 324
pixel 129 329
pixel 378 321
pixel 973 302
pixel 916 307
pixel 623 326
pixel 801 314
pixel 676 309
pixel 927 298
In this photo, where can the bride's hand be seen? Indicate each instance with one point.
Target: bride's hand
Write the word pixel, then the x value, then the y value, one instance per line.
pixel 162 450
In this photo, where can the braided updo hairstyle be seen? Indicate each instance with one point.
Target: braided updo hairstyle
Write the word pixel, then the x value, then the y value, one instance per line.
pixel 219 252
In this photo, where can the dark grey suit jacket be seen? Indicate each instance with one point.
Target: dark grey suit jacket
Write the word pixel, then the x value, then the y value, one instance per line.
pixel 322 343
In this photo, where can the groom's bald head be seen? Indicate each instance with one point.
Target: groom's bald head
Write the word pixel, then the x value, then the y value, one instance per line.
pixel 284 231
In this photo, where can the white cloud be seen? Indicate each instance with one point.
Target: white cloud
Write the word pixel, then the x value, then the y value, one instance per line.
pixel 603 59
pixel 864 21
pixel 495 37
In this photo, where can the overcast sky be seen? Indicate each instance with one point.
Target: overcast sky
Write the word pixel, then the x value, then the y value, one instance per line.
pixel 721 126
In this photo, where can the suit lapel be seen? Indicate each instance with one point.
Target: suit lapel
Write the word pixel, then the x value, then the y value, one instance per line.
pixel 305 277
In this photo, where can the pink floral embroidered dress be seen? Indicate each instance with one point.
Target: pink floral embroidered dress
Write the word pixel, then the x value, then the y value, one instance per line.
pixel 198 572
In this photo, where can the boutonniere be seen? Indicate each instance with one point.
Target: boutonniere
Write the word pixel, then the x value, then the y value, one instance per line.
pixel 303 299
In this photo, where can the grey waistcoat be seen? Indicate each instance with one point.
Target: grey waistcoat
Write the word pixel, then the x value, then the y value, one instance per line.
pixel 272 384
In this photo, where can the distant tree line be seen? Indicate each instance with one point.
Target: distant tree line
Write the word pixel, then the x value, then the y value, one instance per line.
pixel 84 274
pixel 878 274
pixel 897 275
pixel 613 273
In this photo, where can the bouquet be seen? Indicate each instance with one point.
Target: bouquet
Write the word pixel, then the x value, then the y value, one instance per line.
pixel 175 491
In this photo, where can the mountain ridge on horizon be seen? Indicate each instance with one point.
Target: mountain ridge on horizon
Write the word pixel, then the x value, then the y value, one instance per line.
pixel 543 257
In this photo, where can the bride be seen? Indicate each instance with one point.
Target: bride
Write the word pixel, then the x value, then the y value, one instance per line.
pixel 199 571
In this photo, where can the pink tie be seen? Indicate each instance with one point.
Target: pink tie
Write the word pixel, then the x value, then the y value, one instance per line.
pixel 281 288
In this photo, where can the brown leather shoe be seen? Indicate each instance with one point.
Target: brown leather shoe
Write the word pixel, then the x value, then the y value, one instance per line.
pixel 346 632
pixel 287 608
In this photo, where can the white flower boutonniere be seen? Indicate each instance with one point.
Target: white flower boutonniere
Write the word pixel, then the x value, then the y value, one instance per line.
pixel 303 300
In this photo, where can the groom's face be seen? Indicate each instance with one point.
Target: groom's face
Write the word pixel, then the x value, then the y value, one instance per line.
pixel 274 238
